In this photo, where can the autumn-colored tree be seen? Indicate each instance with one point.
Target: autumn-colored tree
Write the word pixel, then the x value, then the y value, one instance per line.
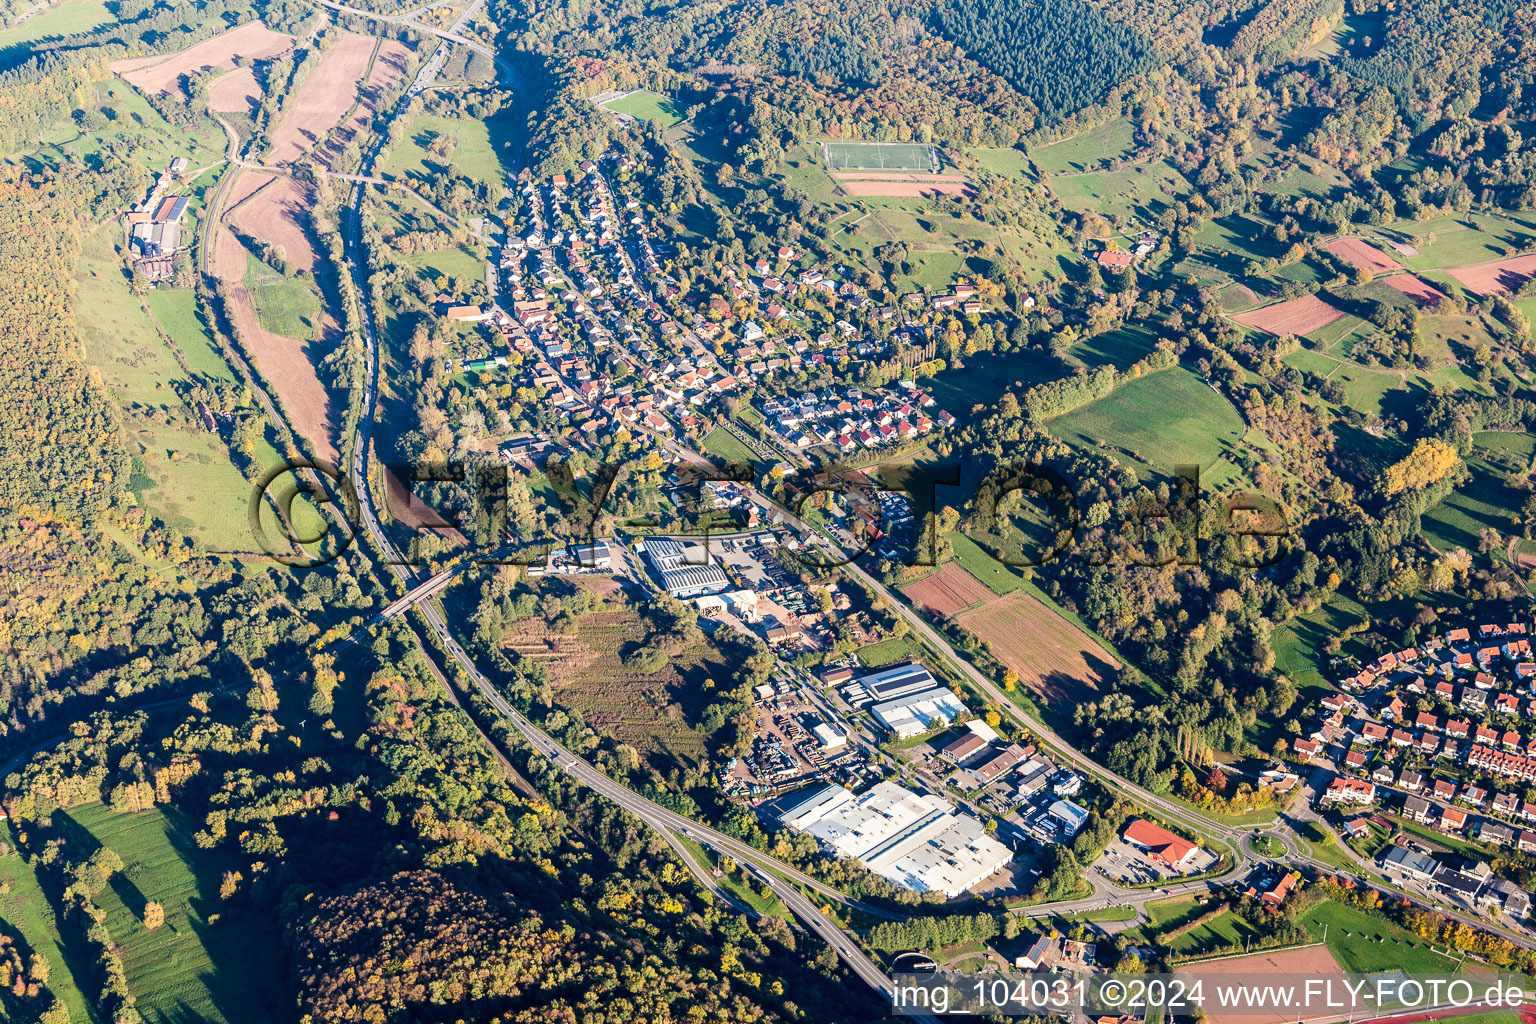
pixel 1431 459
pixel 154 915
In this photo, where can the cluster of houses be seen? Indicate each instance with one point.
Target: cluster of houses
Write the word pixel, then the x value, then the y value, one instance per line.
pixel 1425 757
pixel 580 292
pixel 852 418
pixel 1118 259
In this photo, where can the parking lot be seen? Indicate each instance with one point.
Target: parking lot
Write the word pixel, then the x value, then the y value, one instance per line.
pixel 1125 863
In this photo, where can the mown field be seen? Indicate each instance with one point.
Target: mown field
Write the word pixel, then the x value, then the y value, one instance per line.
pixel 1364 944
pixel 1485 501
pixel 289 306
pixel 1156 423
pixel 61 19
pixel 181 470
pixel 1089 151
pixel 194 966
pixel 27 913
pixel 473 152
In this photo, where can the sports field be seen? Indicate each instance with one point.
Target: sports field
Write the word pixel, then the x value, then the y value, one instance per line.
pixel 866 156
pixel 644 105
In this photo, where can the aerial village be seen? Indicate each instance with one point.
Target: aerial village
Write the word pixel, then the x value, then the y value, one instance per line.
pixel 579 285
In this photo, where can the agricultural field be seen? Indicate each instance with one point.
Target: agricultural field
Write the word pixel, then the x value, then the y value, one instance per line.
pixel 947 592
pixel 1121 348
pixel 1360 253
pixel 237 92
pixel 986 376
pixel 289 306
pixel 181 471
pixel 1052 657
pixel 1224 930
pixel 895 651
pixel 651 711
pixel 1156 423
pixel 322 98
pixel 644 105
pixel 1497 277
pixel 1006 162
pixel 1300 645
pixel 1305 315
pixel 272 209
pixel 162 72
pixel 1423 294
pixel 175 311
pixel 1445 242
pixel 190 967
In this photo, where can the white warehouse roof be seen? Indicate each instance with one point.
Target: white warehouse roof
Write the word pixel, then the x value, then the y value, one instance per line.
pixel 914 840
pixel 916 713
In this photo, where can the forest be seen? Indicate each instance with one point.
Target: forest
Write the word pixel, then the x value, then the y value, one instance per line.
pixel 1062 55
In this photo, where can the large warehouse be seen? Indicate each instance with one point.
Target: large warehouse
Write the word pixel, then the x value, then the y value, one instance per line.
pixel 916 841
pixel 917 713
pixel 685 570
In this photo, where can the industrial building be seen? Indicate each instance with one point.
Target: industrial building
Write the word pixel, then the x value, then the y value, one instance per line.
pixel 685 570
pixel 829 737
pixel 917 713
pixel 889 684
pixel 1070 815
pixel 915 840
